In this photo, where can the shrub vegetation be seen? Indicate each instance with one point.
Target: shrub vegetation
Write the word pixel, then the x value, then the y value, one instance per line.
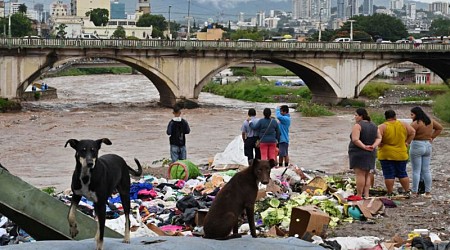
pixel 310 109
pixel 373 90
pixel 7 105
pixel 441 107
pixel 255 90
pixel 93 71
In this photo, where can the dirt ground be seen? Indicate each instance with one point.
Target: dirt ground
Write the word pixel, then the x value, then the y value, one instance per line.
pixel 32 147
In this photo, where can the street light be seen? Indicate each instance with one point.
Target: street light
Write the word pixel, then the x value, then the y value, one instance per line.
pixel 170 34
pixel 351 29
pixel 9 22
pixel 189 21
pixel 320 24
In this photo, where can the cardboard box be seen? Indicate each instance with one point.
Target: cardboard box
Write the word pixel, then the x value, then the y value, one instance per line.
pixel 200 216
pixel 308 221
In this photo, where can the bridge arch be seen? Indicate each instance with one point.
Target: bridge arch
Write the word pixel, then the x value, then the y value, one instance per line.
pixel 321 85
pixel 165 86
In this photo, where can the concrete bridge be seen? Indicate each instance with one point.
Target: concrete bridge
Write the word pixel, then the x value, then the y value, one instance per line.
pixel 180 69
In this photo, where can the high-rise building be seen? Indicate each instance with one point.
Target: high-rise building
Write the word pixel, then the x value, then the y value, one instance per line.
pixel 396 4
pixel 367 9
pixel 260 19
pixel 38 7
pixel 411 11
pixel 144 6
pixel 80 7
pixel 439 7
pixel 321 9
pixel 352 8
pixel 301 9
pixel 241 17
pixel 341 7
pixel 118 10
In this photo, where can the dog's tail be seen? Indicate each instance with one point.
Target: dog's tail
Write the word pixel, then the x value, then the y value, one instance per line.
pixel 134 172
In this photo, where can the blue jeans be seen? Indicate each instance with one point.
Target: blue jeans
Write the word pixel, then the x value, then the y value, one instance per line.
pixel 420 156
pixel 177 152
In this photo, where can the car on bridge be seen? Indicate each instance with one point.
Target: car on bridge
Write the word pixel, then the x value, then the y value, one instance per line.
pixel 245 40
pixel 290 40
pixel 342 40
pixel 89 36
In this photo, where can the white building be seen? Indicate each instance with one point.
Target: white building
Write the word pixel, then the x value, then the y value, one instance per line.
pixel 75 26
pixel 411 11
pixel 272 22
pixel 441 7
pixel 301 9
pixel 241 17
pixel 260 19
pixel 396 4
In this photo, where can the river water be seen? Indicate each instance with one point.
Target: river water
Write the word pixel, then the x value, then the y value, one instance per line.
pixel 124 109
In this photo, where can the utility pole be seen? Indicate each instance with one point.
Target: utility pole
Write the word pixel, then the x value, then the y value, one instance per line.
pixel 4 16
pixel 189 21
pixel 170 34
pixel 320 24
pixel 9 20
pixel 351 29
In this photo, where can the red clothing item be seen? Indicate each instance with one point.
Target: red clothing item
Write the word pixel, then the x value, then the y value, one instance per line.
pixel 268 151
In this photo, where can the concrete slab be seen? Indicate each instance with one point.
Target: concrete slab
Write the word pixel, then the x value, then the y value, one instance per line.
pixel 170 243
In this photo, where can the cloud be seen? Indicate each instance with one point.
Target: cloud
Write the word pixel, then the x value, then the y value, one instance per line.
pixel 230 3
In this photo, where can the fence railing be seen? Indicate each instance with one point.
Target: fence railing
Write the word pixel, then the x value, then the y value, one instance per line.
pixel 10 43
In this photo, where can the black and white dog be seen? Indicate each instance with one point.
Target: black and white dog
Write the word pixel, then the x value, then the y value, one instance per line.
pixel 96 178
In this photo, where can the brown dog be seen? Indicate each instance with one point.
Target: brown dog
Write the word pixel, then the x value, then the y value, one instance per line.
pixel 237 195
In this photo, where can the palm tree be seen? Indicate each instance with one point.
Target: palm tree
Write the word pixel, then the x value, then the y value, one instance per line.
pixel 23 9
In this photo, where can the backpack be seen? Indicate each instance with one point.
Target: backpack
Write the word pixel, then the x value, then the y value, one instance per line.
pixel 177 134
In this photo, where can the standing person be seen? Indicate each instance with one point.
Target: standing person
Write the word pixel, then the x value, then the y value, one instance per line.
pixel 284 119
pixel 177 129
pixel 364 140
pixel 250 136
pixel 268 135
pixel 392 153
pixel 420 150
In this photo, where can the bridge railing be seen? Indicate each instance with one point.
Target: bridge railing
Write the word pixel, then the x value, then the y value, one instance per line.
pixel 10 43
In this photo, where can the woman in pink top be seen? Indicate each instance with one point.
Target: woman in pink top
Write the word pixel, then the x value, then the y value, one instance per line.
pixel 420 149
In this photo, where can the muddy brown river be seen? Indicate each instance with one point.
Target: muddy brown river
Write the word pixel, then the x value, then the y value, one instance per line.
pixel 123 108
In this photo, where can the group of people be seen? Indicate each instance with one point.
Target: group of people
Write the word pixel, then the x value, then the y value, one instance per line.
pixel 267 138
pixel 389 142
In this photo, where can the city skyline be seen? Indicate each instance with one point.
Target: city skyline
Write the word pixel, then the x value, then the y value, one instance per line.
pixel 216 10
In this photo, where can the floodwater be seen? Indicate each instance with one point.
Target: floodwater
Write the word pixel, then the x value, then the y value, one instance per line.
pixel 123 108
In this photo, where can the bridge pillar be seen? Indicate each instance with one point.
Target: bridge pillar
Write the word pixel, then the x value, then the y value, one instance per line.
pixel 17 72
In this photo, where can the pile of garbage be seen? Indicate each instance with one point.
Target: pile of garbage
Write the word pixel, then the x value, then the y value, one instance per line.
pixel 296 203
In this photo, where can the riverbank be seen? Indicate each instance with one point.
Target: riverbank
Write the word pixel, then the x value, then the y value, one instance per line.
pixel 32 141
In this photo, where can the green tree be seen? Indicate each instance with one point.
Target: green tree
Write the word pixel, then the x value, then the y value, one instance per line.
pixel 3 26
pixel 158 22
pixel 20 25
pixel 99 17
pixel 23 8
pixel 378 25
pixel 327 35
pixel 61 31
pixel 119 32
pixel 440 27
pixel 248 34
